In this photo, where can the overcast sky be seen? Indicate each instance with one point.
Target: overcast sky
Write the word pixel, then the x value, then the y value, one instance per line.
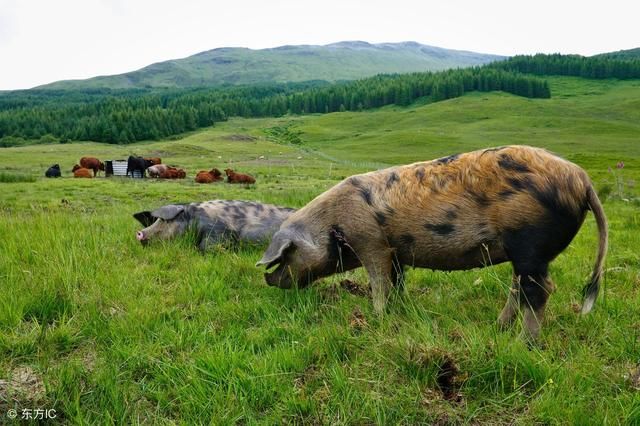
pixel 47 40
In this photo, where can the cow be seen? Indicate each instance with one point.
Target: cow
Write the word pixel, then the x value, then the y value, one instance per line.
pixel 137 164
pixel 81 172
pixel 92 163
pixel 515 203
pixel 214 175
pixel 214 222
pixel 157 170
pixel 154 160
pixel 53 171
pixel 173 173
pixel 233 177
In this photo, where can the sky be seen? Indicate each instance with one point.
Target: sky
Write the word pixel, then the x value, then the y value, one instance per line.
pixel 42 41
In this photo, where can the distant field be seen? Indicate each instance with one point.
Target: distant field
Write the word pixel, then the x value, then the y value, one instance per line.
pixel 103 330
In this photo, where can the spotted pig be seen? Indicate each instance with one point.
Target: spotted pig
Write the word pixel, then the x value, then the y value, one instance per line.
pixel 516 203
pixel 213 221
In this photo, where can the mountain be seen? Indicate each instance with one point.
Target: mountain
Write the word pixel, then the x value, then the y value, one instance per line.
pixel 622 54
pixel 345 60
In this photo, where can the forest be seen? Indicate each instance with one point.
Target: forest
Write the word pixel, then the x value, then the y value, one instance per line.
pixel 122 117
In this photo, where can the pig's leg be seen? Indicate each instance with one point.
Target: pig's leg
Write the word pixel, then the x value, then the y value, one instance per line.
pixel 512 305
pixel 535 287
pixel 379 266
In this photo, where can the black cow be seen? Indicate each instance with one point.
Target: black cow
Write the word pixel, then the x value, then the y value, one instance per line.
pixel 139 164
pixel 53 171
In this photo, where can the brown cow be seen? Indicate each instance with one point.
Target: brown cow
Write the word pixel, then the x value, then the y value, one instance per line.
pixel 233 177
pixel 81 172
pixel 154 160
pixel 211 176
pixel 173 173
pixel 92 163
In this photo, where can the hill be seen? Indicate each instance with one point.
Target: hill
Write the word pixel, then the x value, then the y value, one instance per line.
pixel 95 324
pixel 347 60
pixel 622 54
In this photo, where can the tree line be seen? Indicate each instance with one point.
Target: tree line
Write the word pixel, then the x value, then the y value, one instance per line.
pixel 597 67
pixel 134 115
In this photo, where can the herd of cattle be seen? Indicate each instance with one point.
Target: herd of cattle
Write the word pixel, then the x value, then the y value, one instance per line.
pixel 516 203
pixel 90 166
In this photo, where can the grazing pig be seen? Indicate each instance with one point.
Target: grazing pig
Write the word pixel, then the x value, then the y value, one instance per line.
pixel 209 177
pixel 92 163
pixel 53 171
pixel 233 177
pixel 213 221
pixel 517 203
pixel 157 170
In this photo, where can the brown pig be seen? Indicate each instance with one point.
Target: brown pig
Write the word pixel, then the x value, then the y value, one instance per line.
pixel 513 204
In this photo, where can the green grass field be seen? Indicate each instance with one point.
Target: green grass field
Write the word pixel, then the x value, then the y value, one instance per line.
pixel 103 330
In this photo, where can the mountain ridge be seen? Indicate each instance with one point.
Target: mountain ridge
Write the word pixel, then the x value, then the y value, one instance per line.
pixel 344 60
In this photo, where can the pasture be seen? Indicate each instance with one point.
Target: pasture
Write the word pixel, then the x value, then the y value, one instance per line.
pixel 104 330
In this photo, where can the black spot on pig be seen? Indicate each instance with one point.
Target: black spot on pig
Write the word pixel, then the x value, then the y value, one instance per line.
pixel 451 214
pixel 366 195
pixel 420 174
pixel 521 184
pixel 448 159
pixel 407 239
pixel 393 178
pixel 442 229
pixel 508 163
pixel 380 218
pixel 506 194
pixel 480 198
pixel 365 192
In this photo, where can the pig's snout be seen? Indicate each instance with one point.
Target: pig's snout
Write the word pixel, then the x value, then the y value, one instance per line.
pixel 141 237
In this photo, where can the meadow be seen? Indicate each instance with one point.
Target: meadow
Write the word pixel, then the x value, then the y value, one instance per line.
pixel 106 331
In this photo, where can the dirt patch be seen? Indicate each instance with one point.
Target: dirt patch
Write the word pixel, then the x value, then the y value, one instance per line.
pixel 23 386
pixel 240 138
pixel 448 375
pixel 357 320
pixel 355 288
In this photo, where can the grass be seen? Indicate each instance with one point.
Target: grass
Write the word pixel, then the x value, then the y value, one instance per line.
pixel 111 332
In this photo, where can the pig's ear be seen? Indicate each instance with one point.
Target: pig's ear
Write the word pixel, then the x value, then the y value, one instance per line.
pixel 145 218
pixel 168 212
pixel 275 252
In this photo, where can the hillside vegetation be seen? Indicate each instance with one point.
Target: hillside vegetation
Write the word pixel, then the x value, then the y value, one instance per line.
pixel 103 330
pixel 134 115
pixel 333 62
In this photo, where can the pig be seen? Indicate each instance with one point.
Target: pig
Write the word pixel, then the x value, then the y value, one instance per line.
pixel 514 203
pixel 214 222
